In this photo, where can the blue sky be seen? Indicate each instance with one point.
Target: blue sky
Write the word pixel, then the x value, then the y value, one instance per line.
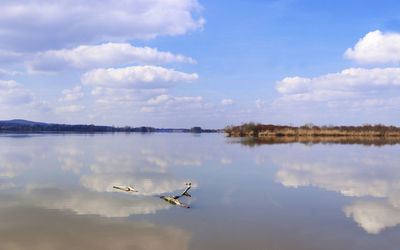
pixel 181 63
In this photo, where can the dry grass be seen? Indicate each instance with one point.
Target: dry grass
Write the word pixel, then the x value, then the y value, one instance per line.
pixel 311 131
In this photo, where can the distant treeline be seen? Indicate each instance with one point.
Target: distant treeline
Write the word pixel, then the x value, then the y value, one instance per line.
pixel 28 126
pixel 311 130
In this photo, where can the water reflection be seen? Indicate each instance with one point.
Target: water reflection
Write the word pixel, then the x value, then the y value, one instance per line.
pixel 4 184
pixel 27 227
pixel 248 197
pixel 374 215
pixel 82 201
pixel 82 211
pixel 13 162
pixel 147 184
pixel 312 140
pixel 370 174
pixel 97 172
pixel 164 158
pixel 70 158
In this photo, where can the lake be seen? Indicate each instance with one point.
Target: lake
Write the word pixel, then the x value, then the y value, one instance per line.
pixel 56 192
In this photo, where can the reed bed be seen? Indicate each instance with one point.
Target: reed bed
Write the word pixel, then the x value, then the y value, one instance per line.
pixel 312 131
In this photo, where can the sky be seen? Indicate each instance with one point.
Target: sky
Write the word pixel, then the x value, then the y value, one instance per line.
pixel 184 63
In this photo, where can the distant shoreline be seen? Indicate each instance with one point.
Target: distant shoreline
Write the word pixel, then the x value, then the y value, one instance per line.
pixel 24 126
pixel 312 132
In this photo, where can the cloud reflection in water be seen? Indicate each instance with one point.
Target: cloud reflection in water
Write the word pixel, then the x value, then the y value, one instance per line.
pixel 55 229
pixel 357 172
pixel 82 201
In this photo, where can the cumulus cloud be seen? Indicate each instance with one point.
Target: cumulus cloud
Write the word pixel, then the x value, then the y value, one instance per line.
pixel 167 99
pixel 4 72
pixel 146 109
pixel 42 25
pixel 172 103
pixel 10 57
pixel 340 95
pixel 104 55
pixel 125 97
pixel 259 103
pixel 376 48
pixel 146 77
pixel 69 109
pixel 226 101
pixel 341 84
pixel 92 36
pixel 353 90
pixel 12 93
pixel 72 94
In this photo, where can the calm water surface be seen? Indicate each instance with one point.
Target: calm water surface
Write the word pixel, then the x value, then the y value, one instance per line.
pixel 56 192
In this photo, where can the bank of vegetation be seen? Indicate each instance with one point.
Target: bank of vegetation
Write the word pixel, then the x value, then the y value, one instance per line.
pixel 24 126
pixel 311 131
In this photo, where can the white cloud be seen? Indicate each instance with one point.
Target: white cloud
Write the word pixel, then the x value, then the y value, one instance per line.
pixel 259 103
pixel 42 25
pixel 167 99
pixel 69 109
pixel 72 94
pixel 351 90
pixel 169 103
pixel 376 48
pixel 146 109
pixel 329 97
pixel 9 57
pixel 12 93
pixel 4 72
pixel 104 55
pixel 340 84
pixel 226 102
pixel 136 77
pixel 188 99
pixel 158 99
pixel 126 97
